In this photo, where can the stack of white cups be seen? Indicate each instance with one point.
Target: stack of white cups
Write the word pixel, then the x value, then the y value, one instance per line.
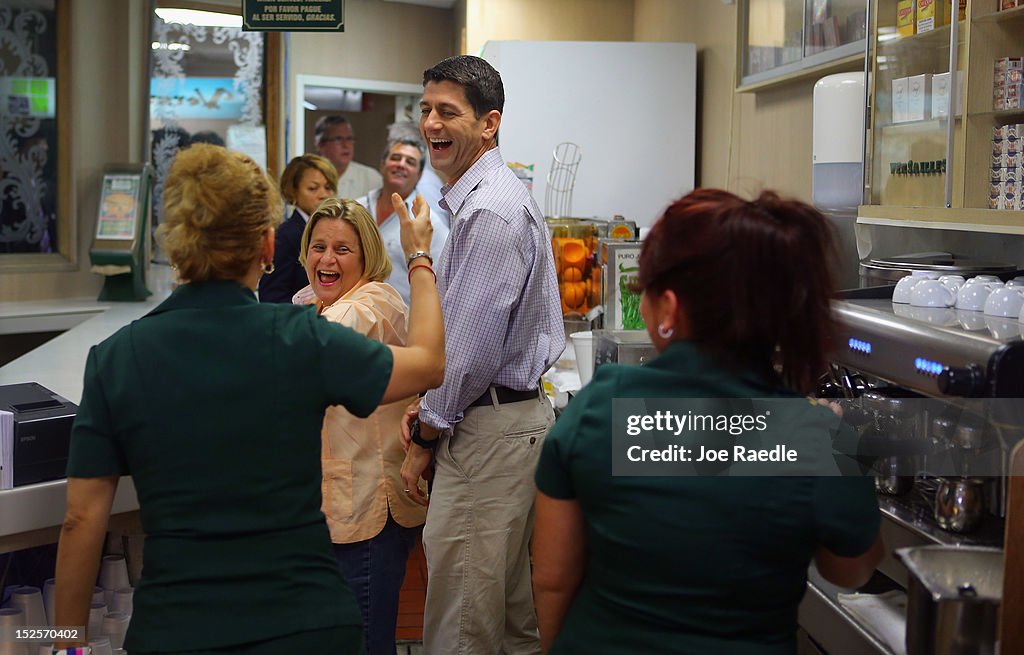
pixel 115 625
pixel 49 587
pixel 122 599
pixel 113 575
pixel 30 601
pixel 100 645
pixel 96 612
pixel 11 618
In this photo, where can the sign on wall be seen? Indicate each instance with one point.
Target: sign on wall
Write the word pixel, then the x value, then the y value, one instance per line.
pixel 293 16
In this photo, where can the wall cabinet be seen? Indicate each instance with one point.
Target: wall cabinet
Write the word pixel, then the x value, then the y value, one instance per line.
pixel 781 40
pixel 921 169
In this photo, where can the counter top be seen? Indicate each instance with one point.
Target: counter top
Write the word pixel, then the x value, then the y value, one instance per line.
pixel 59 365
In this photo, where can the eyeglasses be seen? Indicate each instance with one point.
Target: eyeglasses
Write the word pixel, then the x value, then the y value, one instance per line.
pixel 338 139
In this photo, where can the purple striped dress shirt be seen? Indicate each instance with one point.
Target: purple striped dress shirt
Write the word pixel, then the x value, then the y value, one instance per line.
pixel 499 292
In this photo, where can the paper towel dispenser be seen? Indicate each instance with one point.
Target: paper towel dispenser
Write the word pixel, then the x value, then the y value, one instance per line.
pixel 34 447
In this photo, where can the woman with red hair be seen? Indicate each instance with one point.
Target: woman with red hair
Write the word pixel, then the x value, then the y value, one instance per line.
pixel 737 302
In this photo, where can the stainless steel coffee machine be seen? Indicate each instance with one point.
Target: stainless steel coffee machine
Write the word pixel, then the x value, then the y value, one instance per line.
pixel 935 393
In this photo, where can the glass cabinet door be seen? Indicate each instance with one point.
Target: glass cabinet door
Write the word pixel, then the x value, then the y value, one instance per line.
pixel 774 34
pixel 786 39
pixel 833 23
pixel 914 97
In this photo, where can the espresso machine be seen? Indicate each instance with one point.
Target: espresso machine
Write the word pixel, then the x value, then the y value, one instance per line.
pixel 934 392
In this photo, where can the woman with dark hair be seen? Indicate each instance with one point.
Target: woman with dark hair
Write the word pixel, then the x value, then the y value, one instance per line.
pixel 306 182
pixel 736 299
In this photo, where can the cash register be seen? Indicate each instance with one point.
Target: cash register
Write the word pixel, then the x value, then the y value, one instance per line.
pixel 35 433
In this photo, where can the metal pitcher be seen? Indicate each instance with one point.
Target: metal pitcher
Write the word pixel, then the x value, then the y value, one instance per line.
pixel 953 597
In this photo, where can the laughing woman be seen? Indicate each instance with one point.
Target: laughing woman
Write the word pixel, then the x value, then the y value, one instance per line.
pixel 373 523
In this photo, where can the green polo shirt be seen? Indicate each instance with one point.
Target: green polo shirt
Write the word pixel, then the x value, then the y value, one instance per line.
pixel 691 564
pixel 213 403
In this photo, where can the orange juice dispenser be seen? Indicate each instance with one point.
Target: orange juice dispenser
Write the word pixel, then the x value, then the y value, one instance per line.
pixel 574 242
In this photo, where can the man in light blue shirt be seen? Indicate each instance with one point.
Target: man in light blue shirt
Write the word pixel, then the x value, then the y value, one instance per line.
pixel 401 167
pixel 487 422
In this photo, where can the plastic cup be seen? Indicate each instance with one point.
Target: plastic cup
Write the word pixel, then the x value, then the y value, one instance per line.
pixel 30 601
pixel 583 344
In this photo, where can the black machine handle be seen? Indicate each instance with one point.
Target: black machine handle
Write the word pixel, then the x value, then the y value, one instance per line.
pixel 964 381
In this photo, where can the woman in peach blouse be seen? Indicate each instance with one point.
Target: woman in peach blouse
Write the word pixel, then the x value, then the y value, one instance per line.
pixel 372 522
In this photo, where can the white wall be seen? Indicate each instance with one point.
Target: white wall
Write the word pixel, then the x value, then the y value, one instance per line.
pixel 630 106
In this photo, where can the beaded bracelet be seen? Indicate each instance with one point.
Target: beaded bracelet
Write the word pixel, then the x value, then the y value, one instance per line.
pixel 426 266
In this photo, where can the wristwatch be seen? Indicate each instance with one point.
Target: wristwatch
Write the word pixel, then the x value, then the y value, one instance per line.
pixel 416 255
pixel 414 436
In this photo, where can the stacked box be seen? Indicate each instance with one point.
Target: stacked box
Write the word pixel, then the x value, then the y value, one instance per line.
pixel 1007 171
pixel 906 17
pixel 942 91
pixel 1008 83
pixel 900 106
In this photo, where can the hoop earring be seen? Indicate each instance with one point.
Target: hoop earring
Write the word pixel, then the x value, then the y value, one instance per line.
pixel 666 332
pixel 268 268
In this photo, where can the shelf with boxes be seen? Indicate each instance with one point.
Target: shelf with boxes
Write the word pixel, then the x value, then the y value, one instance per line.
pixel 914 91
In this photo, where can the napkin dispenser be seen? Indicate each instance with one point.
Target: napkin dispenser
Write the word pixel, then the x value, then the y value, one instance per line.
pixel 36 449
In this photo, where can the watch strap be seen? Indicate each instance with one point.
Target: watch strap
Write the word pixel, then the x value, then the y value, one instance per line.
pixel 416 255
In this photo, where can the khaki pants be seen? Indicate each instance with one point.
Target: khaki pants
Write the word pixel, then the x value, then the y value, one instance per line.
pixel 477 535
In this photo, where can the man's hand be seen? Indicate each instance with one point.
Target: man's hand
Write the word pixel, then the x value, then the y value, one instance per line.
pixel 416 466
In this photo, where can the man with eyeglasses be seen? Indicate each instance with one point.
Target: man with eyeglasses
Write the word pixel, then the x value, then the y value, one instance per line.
pixel 336 142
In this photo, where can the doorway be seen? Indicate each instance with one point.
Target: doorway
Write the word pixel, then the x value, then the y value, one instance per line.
pixel 369 105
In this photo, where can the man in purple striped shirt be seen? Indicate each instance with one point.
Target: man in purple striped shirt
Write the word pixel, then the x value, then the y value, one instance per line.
pixel 487 422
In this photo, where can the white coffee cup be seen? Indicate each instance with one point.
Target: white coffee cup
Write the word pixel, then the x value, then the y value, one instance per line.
pixel 932 293
pixel 583 344
pixel 978 279
pixel 1005 301
pixel 1015 282
pixel 901 294
pixel 972 297
pixel 954 282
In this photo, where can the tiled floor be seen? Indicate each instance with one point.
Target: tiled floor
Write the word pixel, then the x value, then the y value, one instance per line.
pixel 410 604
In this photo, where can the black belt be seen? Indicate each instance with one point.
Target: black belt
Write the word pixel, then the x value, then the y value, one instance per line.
pixel 505 395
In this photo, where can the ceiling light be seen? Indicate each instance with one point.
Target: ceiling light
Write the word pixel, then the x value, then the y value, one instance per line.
pixel 196 17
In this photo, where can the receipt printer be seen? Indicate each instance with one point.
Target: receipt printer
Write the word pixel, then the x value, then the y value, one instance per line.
pixel 36 450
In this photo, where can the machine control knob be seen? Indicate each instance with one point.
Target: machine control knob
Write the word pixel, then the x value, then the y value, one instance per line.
pixel 964 381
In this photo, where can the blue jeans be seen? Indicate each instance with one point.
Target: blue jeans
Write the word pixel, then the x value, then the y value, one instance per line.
pixel 375 569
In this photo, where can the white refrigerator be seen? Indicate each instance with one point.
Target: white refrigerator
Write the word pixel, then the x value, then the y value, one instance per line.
pixel 630 107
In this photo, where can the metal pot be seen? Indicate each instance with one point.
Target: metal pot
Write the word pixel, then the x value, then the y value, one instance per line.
pixel 960 504
pixel 953 598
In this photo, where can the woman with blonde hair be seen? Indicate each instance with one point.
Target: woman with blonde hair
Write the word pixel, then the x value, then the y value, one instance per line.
pixel 213 403
pixel 373 523
pixel 307 181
